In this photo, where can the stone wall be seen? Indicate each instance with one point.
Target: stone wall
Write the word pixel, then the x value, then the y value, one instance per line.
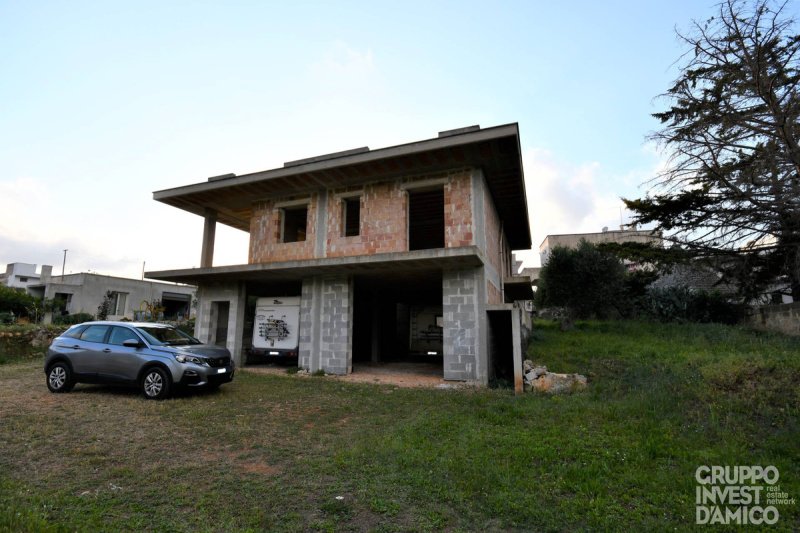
pixel 783 318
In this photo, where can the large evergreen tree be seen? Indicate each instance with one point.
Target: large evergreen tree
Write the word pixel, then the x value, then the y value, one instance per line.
pixel 731 191
pixel 584 281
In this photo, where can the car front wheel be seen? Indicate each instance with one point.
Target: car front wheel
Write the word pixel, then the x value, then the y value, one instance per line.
pixel 59 378
pixel 156 384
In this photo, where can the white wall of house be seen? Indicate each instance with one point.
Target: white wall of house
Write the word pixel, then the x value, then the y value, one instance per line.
pixel 84 292
pixel 22 275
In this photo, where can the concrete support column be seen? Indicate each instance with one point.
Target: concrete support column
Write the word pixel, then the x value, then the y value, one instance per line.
pixel 326 325
pixel 464 309
pixel 209 232
pixel 308 350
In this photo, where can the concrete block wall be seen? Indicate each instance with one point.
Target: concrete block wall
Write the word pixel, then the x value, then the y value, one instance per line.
pixel 308 327
pixel 337 326
pixel 206 321
pixel 464 335
pixel 326 325
pixel 782 318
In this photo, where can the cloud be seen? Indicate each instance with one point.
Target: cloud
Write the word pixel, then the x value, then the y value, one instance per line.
pixel 568 198
pixel 343 64
pixel 103 234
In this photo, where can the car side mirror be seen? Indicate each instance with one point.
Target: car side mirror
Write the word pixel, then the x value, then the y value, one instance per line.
pixel 131 343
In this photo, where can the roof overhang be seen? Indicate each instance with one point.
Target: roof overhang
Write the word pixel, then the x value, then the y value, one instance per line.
pixel 495 150
pixel 517 288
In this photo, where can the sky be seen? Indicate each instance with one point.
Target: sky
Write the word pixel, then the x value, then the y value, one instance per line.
pixel 102 103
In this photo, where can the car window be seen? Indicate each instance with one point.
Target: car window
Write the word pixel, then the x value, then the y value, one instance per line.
pixel 165 336
pixel 120 335
pixel 94 334
pixel 74 332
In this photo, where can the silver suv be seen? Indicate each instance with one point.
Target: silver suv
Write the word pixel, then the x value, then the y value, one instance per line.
pixel 153 357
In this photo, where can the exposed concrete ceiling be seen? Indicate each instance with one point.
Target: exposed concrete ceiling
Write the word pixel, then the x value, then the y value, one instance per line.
pixel 495 150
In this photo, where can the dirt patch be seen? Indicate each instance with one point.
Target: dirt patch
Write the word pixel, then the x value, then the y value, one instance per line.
pixel 259 468
pixel 412 375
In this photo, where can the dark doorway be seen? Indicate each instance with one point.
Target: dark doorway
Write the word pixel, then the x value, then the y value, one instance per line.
pixel 501 347
pixel 223 311
pixel 426 219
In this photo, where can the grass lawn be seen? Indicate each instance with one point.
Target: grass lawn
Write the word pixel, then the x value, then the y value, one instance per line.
pixel 291 453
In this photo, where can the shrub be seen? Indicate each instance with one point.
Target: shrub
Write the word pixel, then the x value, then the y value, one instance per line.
pixel 682 304
pixel 75 318
pixel 583 280
pixel 186 326
pixel 17 301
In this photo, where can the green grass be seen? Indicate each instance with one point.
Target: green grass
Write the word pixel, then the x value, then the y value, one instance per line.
pixel 273 452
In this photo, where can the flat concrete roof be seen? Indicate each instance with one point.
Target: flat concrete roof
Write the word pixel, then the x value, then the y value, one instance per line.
pixel 495 150
pixel 405 263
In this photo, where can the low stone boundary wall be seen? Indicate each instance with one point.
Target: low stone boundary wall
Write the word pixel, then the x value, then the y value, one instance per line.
pixel 783 318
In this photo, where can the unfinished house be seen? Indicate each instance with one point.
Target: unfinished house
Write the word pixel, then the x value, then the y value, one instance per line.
pixel 395 254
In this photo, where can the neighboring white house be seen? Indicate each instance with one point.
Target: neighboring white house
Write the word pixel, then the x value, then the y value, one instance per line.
pixel 22 275
pixel 572 240
pixel 84 292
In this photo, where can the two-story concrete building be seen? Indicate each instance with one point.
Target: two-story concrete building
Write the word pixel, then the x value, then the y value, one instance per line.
pixel 372 240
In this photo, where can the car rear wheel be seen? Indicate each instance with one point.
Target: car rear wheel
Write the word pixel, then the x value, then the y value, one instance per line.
pixel 156 384
pixel 59 378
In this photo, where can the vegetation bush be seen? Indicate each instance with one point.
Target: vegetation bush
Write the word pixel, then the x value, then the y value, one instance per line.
pixel 681 304
pixel 585 281
pixel 17 301
pixel 75 318
pixel 186 326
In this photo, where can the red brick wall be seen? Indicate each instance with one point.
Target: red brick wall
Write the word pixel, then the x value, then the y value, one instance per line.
pixel 458 210
pixel 497 251
pixel 383 222
pixel 383 228
pixel 265 233
pixel 493 233
pixel 493 294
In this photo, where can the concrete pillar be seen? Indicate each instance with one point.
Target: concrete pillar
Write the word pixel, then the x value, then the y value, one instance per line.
pixel 209 231
pixel 516 345
pixel 308 351
pixel 464 309
pixel 326 325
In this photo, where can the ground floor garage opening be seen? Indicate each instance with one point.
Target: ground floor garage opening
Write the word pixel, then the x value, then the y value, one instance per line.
pixel 265 337
pixel 397 320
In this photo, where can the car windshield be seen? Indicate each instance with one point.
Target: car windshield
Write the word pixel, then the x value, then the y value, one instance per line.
pixel 161 336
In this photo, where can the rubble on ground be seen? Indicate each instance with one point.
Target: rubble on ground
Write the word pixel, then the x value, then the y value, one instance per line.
pixel 539 378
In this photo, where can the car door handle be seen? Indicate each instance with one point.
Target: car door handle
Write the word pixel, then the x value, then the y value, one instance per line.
pixel 107 350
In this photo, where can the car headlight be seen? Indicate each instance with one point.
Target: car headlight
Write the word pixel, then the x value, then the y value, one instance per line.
pixel 183 358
